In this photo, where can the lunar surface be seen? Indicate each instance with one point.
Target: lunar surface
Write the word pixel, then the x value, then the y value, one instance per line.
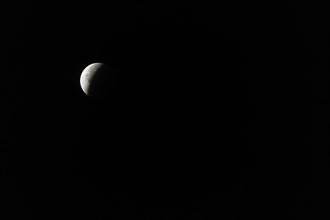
pixel 97 80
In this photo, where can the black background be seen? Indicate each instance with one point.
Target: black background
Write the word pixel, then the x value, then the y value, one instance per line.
pixel 220 111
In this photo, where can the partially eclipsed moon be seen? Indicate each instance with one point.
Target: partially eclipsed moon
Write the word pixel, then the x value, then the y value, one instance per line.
pixel 97 80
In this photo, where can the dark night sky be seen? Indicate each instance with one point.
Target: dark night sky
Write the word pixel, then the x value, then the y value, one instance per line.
pixel 221 111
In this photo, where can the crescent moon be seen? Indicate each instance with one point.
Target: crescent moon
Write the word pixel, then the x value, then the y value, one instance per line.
pixel 97 80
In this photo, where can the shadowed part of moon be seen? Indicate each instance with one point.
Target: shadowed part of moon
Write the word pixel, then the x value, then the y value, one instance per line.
pixel 97 80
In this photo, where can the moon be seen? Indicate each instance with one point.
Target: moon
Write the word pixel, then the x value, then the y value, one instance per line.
pixel 97 80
